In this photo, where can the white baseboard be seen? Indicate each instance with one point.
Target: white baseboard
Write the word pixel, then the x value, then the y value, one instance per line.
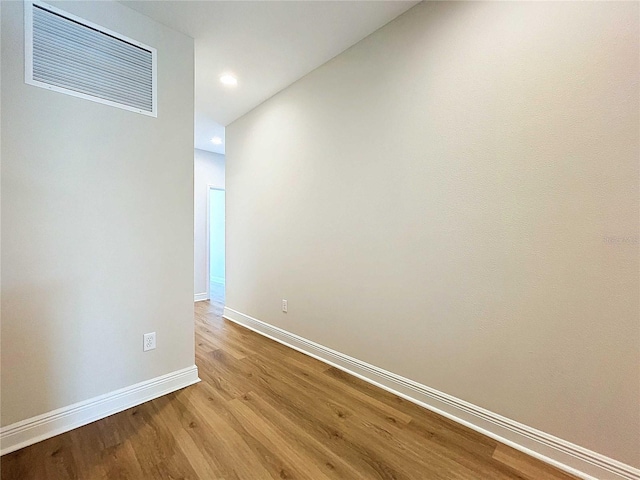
pixel 50 424
pixel 560 453
pixel 200 297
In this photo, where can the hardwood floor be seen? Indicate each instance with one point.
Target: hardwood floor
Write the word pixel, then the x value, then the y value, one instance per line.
pixel 264 411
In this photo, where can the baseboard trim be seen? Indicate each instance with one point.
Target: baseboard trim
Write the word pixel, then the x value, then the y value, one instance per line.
pixel 201 297
pixel 555 451
pixel 50 424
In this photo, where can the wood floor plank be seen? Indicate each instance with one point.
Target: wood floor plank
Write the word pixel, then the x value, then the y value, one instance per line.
pixel 295 465
pixel 264 411
pixel 332 463
pixel 225 440
pixel 187 442
pixel 440 434
pixel 326 385
pixel 526 466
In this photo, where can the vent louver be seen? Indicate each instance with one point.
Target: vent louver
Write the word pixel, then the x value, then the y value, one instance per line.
pixel 70 55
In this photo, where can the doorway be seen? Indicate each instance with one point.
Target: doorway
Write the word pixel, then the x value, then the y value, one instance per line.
pixel 216 246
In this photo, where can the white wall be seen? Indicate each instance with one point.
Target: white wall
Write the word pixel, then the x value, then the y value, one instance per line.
pixel 97 222
pixel 209 170
pixel 440 200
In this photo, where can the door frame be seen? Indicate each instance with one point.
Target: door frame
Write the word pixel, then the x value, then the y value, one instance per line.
pixel 208 227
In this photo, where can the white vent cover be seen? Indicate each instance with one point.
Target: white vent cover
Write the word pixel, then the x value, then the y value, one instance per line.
pixel 67 54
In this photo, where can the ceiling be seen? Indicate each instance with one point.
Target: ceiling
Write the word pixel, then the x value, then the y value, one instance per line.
pixel 267 45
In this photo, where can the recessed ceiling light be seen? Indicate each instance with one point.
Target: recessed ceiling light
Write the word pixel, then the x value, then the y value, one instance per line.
pixel 216 141
pixel 228 79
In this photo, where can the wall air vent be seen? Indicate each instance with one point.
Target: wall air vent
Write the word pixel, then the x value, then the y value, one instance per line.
pixel 70 55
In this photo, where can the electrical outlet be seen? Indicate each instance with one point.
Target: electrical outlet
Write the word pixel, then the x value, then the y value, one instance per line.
pixel 285 307
pixel 149 342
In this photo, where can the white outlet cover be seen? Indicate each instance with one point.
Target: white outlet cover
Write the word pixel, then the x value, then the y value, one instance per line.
pixel 149 341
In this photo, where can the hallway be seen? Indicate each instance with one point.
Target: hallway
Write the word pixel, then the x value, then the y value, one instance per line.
pixel 265 411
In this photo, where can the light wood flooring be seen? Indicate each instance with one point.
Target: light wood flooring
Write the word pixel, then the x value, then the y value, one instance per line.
pixel 264 411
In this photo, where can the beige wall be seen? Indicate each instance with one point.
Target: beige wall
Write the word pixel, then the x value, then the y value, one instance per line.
pixel 209 171
pixel 455 199
pixel 97 227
